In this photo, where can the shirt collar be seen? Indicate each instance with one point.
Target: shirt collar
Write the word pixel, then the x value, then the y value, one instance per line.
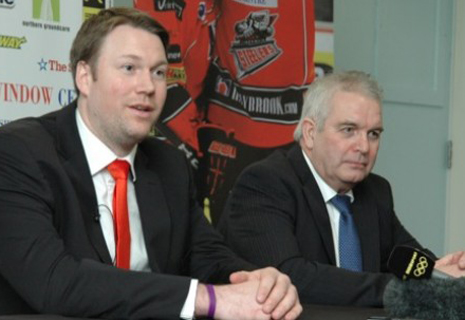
pixel 98 155
pixel 327 192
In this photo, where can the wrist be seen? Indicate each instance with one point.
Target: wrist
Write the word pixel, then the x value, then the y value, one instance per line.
pixel 212 301
pixel 201 301
pixel 205 301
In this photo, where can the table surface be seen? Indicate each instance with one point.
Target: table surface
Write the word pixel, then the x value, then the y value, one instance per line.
pixel 314 312
pixel 311 312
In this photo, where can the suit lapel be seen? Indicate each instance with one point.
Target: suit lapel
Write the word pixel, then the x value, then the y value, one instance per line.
pixel 316 204
pixel 70 147
pixel 154 213
pixel 366 219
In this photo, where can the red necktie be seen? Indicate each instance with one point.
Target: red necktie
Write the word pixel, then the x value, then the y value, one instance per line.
pixel 119 170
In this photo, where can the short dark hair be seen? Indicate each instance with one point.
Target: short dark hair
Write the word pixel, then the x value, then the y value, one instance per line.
pixel 86 46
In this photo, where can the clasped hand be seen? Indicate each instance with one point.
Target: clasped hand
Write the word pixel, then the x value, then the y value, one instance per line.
pixel 260 294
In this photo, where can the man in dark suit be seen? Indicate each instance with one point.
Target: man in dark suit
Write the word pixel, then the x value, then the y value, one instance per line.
pixel 79 239
pixel 281 211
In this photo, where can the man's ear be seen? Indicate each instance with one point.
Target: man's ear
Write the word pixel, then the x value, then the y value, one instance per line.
pixel 83 78
pixel 309 129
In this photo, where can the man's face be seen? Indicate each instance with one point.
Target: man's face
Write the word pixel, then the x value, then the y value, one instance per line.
pixel 344 151
pixel 124 100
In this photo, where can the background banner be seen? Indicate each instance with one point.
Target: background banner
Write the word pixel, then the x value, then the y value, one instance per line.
pixel 35 39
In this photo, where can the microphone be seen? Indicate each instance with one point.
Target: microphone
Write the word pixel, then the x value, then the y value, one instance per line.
pixel 407 263
pixel 436 295
pixel 438 299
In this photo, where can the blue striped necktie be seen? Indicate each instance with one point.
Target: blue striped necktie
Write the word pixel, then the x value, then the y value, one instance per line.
pixel 350 254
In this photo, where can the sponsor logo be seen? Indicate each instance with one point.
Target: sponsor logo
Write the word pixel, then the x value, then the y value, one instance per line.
pixel 174 53
pixel 222 149
pixel 176 75
pixel 11 42
pixel 410 265
pixel 99 4
pixel 254 46
pixel 260 3
pixel 267 105
pixel 66 96
pixel 273 106
pixel 46 26
pixel 7 3
pixel 46 10
pixel 421 267
pixel 220 154
pixel 53 65
pixel 25 94
pixel 223 86
pixel 42 65
pixel 170 5
pixel 92 7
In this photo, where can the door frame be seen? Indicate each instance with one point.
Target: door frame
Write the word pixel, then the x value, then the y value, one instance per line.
pixel 455 207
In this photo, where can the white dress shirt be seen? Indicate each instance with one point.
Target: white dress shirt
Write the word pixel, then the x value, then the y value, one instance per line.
pixel 334 214
pixel 99 156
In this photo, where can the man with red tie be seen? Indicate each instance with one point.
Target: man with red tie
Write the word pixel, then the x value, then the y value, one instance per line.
pixel 99 221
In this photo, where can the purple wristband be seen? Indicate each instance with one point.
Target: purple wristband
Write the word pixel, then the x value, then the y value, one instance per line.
pixel 212 306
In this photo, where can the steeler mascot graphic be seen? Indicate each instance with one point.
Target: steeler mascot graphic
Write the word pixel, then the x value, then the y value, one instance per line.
pixel 263 62
pixel 254 46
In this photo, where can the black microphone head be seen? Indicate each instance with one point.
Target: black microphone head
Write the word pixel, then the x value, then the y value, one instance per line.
pixel 410 263
pixel 433 299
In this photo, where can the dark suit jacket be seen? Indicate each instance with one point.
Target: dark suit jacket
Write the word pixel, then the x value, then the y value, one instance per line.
pixel 276 216
pixel 53 256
